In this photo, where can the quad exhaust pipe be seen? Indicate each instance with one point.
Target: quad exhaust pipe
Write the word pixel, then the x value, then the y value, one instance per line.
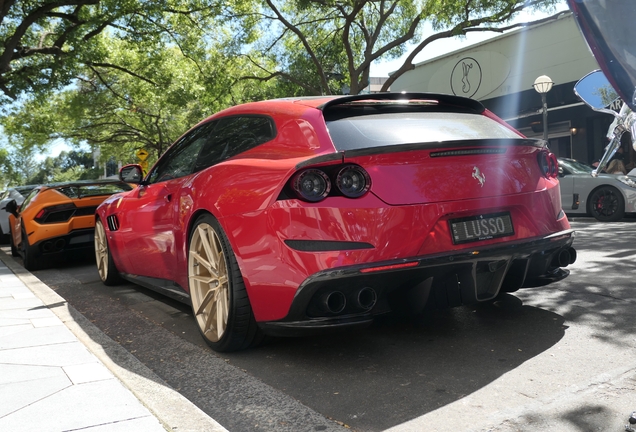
pixel 366 298
pixel 335 302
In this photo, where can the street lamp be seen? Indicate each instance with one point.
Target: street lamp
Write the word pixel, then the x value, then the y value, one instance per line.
pixel 542 85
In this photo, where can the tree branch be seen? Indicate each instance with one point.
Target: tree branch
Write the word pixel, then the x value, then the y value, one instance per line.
pixel 122 69
pixel 12 43
pixel 459 29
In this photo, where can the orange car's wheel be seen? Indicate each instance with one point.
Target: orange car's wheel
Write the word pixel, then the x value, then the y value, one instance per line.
pixel 14 250
pixel 108 273
pixel 29 260
pixel 219 300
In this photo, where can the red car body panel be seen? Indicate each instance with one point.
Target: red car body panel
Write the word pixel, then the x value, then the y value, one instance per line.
pixel 405 215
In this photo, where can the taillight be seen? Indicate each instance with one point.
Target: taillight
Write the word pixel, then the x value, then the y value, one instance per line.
pixel 353 181
pixel 57 213
pixel 311 185
pixel 548 164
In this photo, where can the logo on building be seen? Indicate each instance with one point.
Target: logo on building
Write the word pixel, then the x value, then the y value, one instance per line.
pixel 466 77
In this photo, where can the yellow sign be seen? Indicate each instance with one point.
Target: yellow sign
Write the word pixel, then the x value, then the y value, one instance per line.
pixel 142 154
pixel 144 166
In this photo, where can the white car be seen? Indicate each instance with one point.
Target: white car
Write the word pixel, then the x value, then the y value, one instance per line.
pixel 607 197
pixel 18 194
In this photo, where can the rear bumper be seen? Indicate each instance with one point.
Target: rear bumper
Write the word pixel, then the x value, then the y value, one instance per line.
pixel 352 296
pixel 77 240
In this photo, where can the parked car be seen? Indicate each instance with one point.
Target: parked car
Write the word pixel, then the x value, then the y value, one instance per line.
pixel 293 216
pixel 57 219
pixel 15 193
pixel 607 197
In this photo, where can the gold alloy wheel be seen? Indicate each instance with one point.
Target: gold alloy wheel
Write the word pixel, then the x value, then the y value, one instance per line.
pixel 209 283
pixel 101 250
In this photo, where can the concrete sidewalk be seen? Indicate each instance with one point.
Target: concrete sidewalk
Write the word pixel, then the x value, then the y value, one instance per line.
pixel 58 372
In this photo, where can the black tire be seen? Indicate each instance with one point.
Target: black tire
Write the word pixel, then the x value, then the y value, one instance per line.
pixel 106 267
pixel 30 261
pixel 606 204
pixel 14 250
pixel 241 330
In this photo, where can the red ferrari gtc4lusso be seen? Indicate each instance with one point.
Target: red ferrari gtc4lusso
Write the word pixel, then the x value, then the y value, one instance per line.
pixel 290 216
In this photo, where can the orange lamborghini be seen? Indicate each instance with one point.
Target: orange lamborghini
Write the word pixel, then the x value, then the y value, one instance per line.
pixel 57 219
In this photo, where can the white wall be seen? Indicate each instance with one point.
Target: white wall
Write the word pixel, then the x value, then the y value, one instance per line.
pixel 505 64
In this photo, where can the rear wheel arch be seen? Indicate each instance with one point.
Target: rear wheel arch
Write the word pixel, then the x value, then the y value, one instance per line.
pixel 220 304
pixel 193 221
pixel 30 259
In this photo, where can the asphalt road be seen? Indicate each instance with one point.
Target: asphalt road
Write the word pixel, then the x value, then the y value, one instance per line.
pixel 550 358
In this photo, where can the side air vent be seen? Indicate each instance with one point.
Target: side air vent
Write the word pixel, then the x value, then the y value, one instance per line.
pixel 113 223
pixel 468 152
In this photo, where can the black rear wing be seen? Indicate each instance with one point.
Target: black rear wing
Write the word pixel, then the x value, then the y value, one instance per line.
pixel 363 104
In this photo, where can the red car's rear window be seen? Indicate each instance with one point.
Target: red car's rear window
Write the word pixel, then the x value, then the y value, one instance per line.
pixel 377 130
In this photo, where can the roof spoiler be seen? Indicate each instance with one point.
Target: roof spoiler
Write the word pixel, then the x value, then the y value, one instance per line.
pixel 413 98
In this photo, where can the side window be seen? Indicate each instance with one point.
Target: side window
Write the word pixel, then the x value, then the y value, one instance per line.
pixel 179 160
pixel 28 199
pixel 234 135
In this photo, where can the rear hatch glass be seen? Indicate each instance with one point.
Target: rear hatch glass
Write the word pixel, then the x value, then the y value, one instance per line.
pixel 388 129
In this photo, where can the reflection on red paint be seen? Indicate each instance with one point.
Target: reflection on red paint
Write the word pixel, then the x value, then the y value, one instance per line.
pixel 389 267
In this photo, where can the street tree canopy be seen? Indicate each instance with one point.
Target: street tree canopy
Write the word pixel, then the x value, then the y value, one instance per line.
pixel 152 71
pixel 338 40
pixel 44 44
pixel 121 113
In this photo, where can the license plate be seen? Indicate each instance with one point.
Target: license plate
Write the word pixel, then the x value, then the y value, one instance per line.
pixel 482 227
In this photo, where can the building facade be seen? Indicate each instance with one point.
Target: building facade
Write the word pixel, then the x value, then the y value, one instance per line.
pixel 500 73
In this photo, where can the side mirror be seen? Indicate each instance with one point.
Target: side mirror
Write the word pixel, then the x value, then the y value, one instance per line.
pixel 561 173
pixel 596 91
pixel 12 207
pixel 131 174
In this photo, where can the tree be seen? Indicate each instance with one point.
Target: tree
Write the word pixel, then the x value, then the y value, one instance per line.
pixel 342 38
pixel 7 173
pixel 44 43
pixel 67 166
pixel 173 88
pixel 18 164
pixel 139 77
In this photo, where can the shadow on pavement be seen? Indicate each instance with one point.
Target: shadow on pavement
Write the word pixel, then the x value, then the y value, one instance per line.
pixel 600 290
pixel 396 370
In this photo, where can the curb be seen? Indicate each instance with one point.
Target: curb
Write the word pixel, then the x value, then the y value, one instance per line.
pixel 174 411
